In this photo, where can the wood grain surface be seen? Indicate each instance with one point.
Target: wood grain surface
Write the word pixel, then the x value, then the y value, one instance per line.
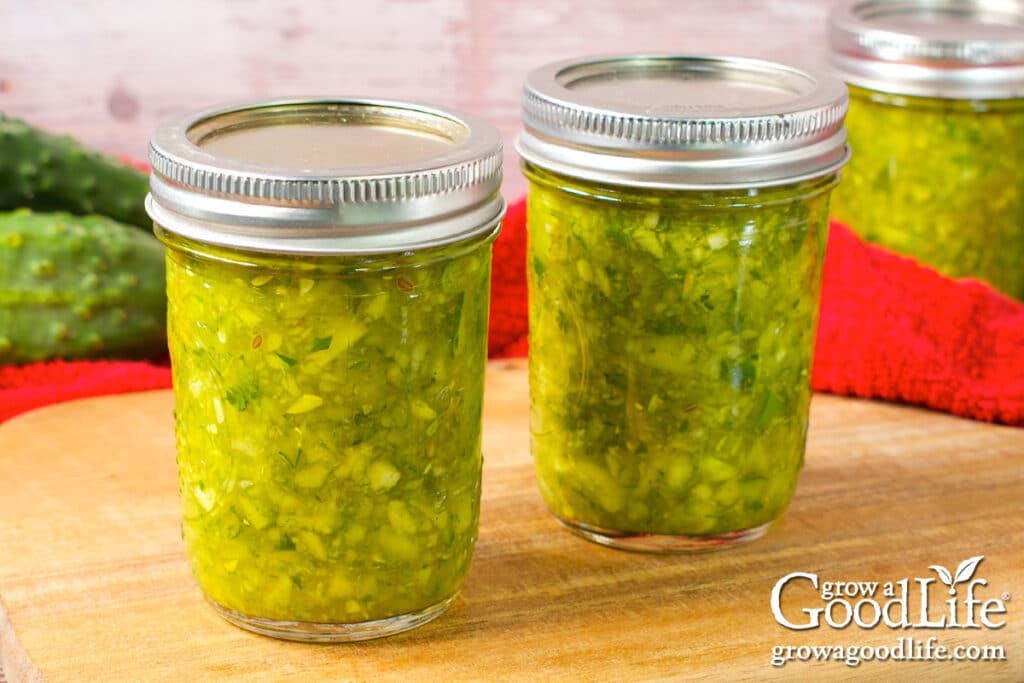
pixel 94 584
pixel 107 71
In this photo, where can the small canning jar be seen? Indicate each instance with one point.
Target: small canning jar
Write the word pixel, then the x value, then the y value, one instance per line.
pixel 328 273
pixel 677 219
pixel 936 124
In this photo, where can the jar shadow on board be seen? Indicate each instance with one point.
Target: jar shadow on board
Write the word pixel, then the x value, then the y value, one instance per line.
pixel 328 356
pixel 936 122
pixel 674 279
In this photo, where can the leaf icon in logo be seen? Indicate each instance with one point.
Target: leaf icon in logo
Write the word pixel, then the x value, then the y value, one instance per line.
pixel 944 575
pixel 964 571
pixel 967 568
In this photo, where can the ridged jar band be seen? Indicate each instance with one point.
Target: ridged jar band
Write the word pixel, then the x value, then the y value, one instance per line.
pixel 965 83
pixel 755 170
pixel 326 176
pixel 325 238
pixel 945 49
pixel 683 121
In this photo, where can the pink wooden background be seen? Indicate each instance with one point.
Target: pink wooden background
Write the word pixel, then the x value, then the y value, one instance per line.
pixel 107 71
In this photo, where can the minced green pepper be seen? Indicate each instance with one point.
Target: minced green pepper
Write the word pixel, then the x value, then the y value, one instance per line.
pixel 940 180
pixel 671 340
pixel 328 426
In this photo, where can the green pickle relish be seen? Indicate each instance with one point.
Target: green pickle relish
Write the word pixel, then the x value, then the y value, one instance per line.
pixel 328 283
pixel 936 124
pixel 328 429
pixel 939 180
pixel 671 338
pixel 677 218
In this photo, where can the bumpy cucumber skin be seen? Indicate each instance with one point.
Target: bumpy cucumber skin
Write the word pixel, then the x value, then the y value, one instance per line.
pixel 78 287
pixel 47 172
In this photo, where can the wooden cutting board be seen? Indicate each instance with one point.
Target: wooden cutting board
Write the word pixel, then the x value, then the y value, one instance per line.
pixel 94 584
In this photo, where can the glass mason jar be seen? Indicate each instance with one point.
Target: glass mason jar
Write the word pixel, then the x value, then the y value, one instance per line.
pixel 936 123
pixel 328 273
pixel 677 220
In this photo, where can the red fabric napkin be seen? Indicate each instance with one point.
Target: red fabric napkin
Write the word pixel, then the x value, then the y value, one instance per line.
pixel 889 329
pixel 30 386
pixel 895 330
pixel 507 335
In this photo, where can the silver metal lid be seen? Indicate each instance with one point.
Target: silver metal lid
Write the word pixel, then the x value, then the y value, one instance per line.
pixel 678 122
pixel 952 49
pixel 326 176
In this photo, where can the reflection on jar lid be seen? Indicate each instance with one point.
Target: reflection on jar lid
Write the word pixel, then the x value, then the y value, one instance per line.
pixel 683 122
pixel 956 49
pixel 326 176
pixel 322 145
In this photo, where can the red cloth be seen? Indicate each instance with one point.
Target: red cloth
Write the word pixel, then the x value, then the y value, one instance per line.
pixel 895 330
pixel 889 329
pixel 30 386
pixel 507 334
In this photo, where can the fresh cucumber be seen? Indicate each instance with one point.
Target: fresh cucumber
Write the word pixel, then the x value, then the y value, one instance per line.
pixel 47 172
pixel 78 287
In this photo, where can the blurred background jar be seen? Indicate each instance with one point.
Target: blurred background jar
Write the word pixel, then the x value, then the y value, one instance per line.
pixel 677 218
pixel 328 273
pixel 936 125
